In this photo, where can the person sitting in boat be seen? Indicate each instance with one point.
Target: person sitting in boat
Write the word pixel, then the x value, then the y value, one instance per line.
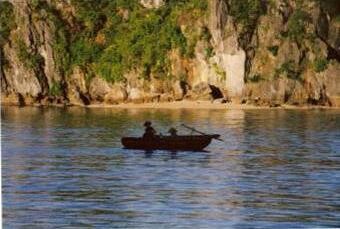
pixel 149 130
pixel 173 132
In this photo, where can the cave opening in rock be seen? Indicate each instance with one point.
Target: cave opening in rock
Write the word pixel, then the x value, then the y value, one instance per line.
pixel 332 54
pixel 215 92
pixel 184 87
pixel 84 99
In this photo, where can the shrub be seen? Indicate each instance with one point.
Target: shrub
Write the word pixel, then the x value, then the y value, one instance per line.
pixel 55 89
pixel 320 65
pixel 209 51
pixel 296 25
pixel 110 66
pixel 140 41
pixel 337 18
pixel 219 71
pixel 29 59
pixel 290 70
pixel 273 49
pixel 83 51
pixel 144 41
pixel 205 34
pixel 246 12
pixel 6 21
pixel 61 41
pixel 255 78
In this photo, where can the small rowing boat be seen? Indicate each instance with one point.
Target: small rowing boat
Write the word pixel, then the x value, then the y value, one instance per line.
pixel 184 142
pixel 179 142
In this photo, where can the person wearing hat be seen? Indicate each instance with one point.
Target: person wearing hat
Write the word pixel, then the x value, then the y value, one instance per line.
pixel 149 130
pixel 173 132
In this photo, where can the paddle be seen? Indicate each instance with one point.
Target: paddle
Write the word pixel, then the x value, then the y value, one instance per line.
pixel 197 131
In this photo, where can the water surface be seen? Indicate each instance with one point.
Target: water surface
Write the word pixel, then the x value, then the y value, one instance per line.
pixel 65 168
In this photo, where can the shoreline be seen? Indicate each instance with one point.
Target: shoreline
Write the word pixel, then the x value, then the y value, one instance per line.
pixel 203 105
pixel 185 104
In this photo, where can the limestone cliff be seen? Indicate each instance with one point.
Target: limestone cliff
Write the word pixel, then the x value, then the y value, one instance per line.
pixel 264 52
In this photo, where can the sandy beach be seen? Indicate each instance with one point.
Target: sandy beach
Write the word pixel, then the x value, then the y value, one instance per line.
pixel 185 104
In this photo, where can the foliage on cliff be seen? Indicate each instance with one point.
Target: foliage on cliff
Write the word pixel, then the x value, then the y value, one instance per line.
pixel 109 38
pixel 113 37
pixel 6 21
pixel 6 25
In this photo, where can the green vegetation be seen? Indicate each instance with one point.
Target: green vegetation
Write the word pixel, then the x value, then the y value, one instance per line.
pixel 84 51
pixel 247 12
pixel 273 49
pixel 209 51
pixel 6 21
pixel 206 36
pixel 219 71
pixel 337 18
pixel 118 36
pixel 55 89
pixel 30 59
pixel 297 25
pixel 289 69
pixel 45 12
pixel 6 25
pixel 255 78
pixel 320 64
pixel 108 38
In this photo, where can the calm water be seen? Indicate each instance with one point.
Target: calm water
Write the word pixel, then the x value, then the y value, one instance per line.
pixel 65 168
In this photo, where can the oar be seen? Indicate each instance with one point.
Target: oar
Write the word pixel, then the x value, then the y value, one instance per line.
pixel 193 129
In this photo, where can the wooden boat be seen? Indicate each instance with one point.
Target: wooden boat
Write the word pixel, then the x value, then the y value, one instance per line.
pixel 184 142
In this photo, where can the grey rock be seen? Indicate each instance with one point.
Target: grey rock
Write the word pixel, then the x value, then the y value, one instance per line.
pixel 152 4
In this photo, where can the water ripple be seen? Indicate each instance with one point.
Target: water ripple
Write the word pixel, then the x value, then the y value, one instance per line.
pixel 66 168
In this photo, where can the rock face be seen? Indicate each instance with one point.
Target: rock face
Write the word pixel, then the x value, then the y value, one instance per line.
pixel 293 67
pixel 152 3
pixel 116 95
pixel 229 56
pixel 267 53
pixel 20 80
pixel 77 91
pixel 30 70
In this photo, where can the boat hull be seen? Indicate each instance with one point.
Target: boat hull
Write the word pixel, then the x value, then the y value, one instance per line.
pixel 188 143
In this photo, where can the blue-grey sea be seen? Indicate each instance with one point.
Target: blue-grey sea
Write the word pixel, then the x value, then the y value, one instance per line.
pixel 66 168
